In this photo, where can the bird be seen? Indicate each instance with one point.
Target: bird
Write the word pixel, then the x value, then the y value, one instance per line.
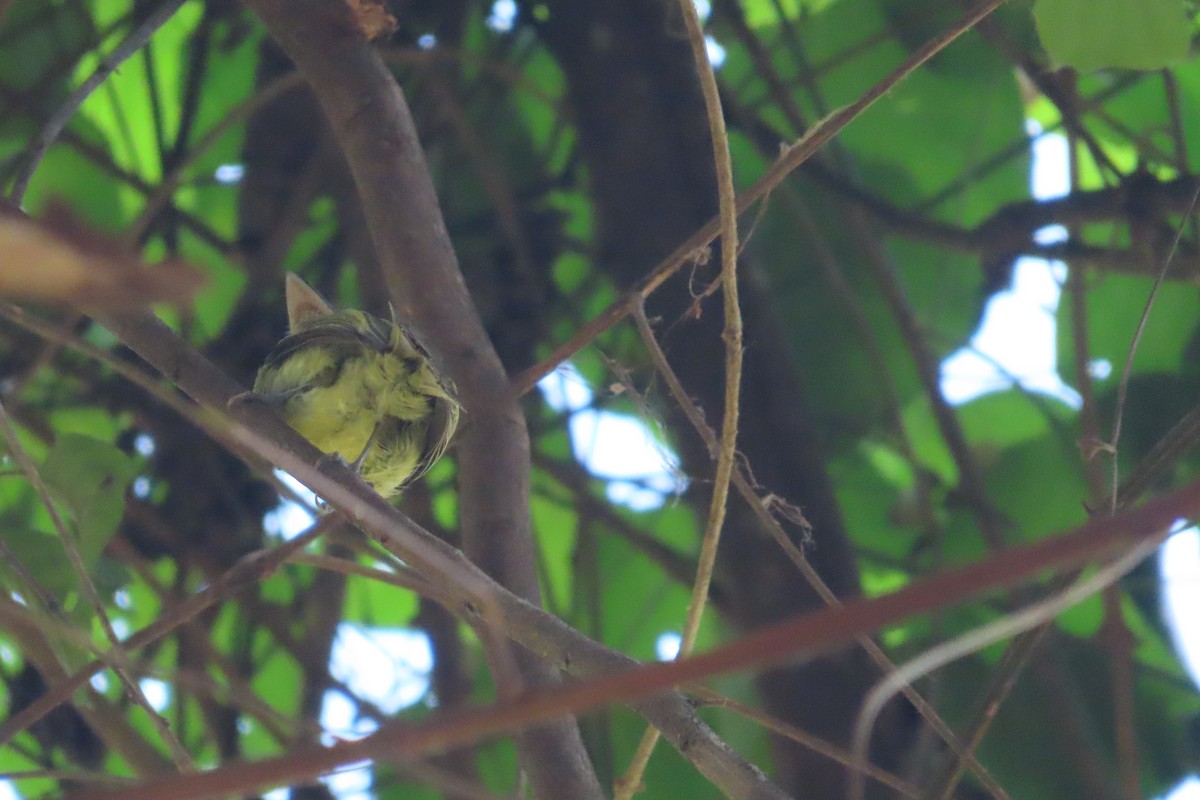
pixel 360 388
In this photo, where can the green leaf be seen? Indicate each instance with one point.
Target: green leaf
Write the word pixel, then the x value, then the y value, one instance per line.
pixel 378 604
pixel 89 478
pixel 556 525
pixel 1127 34
pixel 1119 301
pixel 1003 419
pixel 67 176
pixel 41 556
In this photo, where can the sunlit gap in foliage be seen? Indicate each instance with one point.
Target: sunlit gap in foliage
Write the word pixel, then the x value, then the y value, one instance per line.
pixel 289 519
pixel 387 667
pixel 229 174
pixel 1016 341
pixel 641 471
pixel 157 693
pixel 716 53
pixel 1016 345
pixel 1179 584
pixel 143 445
pixel 503 16
pixel 666 647
pixel 390 670
pixel 1188 789
pixel 1179 590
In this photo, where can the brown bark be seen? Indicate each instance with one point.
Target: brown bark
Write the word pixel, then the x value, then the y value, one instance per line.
pixel 375 131
pixel 642 130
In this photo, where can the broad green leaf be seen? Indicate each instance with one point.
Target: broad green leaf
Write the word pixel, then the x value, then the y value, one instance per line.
pixel 1038 485
pixel 278 679
pixel 555 523
pixel 89 477
pixel 1126 34
pixel 378 604
pixel 1115 303
pixel 67 176
pixel 639 604
pixel 1003 419
pixel 41 556
pixel 874 502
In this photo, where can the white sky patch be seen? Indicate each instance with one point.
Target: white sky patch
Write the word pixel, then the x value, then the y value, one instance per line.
pixel 565 390
pixel 351 784
pixel 1100 368
pixel 640 470
pixel 621 449
pixel 1188 789
pixel 1016 341
pixel 158 693
pixel 290 519
pixel 1179 574
pixel 503 16
pixel 666 647
pixel 388 667
pixel 716 52
pixel 339 718
pixel 229 174
pixel 144 444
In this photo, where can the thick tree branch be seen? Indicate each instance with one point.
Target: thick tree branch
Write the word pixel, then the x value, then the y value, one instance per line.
pixel 799 638
pixel 457 582
pixel 373 127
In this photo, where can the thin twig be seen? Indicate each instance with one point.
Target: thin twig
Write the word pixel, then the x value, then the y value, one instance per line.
pixel 59 119
pixel 1127 369
pixel 248 569
pixel 471 593
pixel 628 783
pixel 163 193
pixel 795 155
pixel 799 735
pixel 979 638
pixel 119 659
pixel 798 638
pixel 762 509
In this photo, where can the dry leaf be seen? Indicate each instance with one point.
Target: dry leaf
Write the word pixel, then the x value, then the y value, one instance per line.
pixel 372 18
pixel 59 260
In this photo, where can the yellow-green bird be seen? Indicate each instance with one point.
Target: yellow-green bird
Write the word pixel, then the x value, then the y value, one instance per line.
pixel 359 388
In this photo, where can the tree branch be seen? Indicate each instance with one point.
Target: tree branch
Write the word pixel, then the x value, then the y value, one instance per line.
pixel 374 128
